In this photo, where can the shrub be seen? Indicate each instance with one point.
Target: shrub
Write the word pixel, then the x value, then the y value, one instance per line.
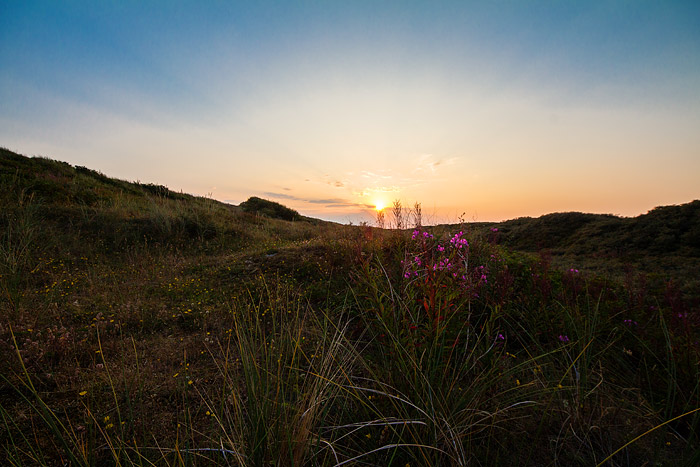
pixel 269 209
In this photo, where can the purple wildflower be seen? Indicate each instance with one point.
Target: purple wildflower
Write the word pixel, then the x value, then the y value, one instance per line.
pixel 458 241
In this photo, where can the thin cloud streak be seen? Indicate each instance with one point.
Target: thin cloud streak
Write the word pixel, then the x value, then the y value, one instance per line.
pixel 427 163
pixel 327 202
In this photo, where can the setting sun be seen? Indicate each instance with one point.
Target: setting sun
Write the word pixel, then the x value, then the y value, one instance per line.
pixel 379 205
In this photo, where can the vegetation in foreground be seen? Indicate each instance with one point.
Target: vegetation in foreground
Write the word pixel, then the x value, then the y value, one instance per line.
pixel 142 326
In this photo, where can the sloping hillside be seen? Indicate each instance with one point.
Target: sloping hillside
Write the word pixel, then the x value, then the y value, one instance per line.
pixel 61 198
pixel 140 326
pixel 664 230
pixel 663 244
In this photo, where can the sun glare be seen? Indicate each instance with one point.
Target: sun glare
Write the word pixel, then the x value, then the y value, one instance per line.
pixel 379 205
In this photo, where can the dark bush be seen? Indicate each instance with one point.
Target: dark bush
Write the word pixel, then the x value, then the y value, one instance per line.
pixel 160 191
pixel 269 209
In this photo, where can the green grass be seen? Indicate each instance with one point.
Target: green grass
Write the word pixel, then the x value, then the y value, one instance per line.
pixel 663 244
pixel 146 327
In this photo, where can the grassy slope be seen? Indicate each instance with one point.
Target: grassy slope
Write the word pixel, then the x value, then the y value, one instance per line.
pixel 664 243
pixel 83 253
pixel 153 324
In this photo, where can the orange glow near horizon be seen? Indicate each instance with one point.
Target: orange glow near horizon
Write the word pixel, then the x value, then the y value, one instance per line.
pixel 339 110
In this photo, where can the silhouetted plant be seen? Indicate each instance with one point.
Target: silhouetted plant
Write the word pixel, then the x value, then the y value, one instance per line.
pixel 397 213
pixel 417 215
pixel 380 218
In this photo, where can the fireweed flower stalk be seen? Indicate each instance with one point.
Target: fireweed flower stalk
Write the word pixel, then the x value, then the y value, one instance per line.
pixel 439 279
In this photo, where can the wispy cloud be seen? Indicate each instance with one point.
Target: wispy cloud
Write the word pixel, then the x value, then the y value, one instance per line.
pixel 376 176
pixel 326 202
pixel 369 191
pixel 428 163
pixel 421 170
pixel 271 194
pixel 328 180
pixel 360 189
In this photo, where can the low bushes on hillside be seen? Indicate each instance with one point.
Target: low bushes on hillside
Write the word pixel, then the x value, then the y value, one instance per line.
pixel 269 209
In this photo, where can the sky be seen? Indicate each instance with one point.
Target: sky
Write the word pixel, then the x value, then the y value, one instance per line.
pixel 480 111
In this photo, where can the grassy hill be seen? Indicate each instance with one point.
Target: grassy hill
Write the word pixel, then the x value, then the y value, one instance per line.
pixel 663 244
pixel 668 230
pixel 145 326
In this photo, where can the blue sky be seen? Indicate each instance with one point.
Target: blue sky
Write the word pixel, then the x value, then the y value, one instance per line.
pixel 493 109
